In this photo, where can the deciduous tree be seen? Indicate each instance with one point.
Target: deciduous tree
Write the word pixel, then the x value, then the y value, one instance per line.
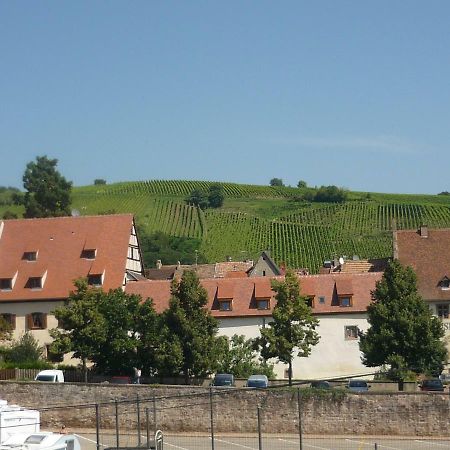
pixel 403 332
pixel 292 331
pixel 190 328
pixel 47 191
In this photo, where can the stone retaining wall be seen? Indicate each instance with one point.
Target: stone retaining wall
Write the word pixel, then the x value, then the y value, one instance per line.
pixel 183 408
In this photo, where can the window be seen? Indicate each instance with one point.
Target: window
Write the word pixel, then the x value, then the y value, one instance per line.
pixel 263 303
pixel 442 310
pixel 10 319
pixel 310 301
pixel 5 284
pixel 264 273
pixel 37 321
pixel 225 305
pixel 322 300
pixel 88 253
pixel 95 280
pixel 34 283
pixel 30 256
pixel 351 332
pixel 444 283
pixel 345 301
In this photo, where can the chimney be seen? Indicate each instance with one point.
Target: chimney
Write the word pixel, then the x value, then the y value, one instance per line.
pixel 159 264
pixel 423 231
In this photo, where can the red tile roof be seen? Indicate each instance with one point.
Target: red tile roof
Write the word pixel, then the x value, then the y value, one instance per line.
pixel 428 256
pixel 60 242
pixel 245 289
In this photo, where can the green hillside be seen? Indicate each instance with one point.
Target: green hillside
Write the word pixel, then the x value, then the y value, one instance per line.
pixel 255 218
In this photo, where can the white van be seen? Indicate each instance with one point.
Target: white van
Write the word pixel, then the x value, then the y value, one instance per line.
pixel 51 376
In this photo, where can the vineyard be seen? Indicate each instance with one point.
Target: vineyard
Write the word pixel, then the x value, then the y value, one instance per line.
pixel 256 218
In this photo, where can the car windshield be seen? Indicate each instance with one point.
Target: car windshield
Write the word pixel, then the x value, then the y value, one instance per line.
pixel 45 378
pixel 357 383
pixel 432 383
pixel 223 380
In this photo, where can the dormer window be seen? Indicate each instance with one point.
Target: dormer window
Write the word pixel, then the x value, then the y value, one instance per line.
pixel 444 284
pixel 89 253
pixel 225 305
pixel 95 279
pixel 310 301
pixel 345 301
pixel 6 284
pixel 263 303
pixel 30 256
pixel 34 283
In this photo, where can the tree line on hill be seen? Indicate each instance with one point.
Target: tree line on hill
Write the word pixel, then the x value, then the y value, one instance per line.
pixel 323 194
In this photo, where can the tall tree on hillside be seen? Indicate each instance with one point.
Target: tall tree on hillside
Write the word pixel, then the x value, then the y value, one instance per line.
pixel 403 332
pixel 47 191
pixel 276 182
pixel 216 196
pixel 292 331
pixel 190 328
pixel 198 198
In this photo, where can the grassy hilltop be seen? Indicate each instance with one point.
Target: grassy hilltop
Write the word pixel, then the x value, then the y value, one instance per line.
pixel 254 218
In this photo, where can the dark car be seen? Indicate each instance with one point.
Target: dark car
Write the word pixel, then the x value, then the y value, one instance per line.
pixel 258 381
pixel 223 380
pixel 432 385
pixel 358 386
pixel 320 384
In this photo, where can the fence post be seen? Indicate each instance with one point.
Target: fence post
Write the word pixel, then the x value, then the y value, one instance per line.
pixel 211 417
pixel 147 425
pixel 138 410
pixel 97 425
pixel 154 414
pixel 258 412
pixel 117 423
pixel 300 432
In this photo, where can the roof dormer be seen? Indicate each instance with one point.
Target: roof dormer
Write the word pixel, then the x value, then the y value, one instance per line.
pixel 444 284
pixel 30 255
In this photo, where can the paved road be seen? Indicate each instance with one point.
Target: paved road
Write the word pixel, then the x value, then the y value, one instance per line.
pixel 281 442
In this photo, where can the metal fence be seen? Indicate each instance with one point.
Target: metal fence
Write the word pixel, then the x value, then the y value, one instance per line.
pixel 232 419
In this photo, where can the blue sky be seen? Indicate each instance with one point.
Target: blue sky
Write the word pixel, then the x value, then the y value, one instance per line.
pixel 352 93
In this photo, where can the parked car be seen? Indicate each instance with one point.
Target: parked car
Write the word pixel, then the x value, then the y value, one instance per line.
pixel 358 386
pixel 223 380
pixel 50 375
pixel 432 385
pixel 258 381
pixel 320 384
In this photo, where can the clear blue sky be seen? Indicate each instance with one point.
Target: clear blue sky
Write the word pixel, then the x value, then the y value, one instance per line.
pixel 353 93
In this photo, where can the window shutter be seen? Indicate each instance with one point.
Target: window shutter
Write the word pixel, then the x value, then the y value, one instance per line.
pixel 29 322
pixel 13 321
pixel 44 321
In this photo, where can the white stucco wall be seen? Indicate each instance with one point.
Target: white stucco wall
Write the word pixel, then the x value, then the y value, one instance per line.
pixel 334 355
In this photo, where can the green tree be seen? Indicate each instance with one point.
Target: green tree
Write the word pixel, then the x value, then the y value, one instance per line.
pixel 216 196
pixel 292 331
pixel 238 356
pixel 25 350
pixel 190 328
pixel 276 182
pixel 331 194
pixel 115 331
pixel 403 332
pixel 47 191
pixel 82 327
pixel 99 181
pixel 302 184
pixel 198 198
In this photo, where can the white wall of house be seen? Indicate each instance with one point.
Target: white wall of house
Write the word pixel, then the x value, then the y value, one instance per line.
pixel 334 355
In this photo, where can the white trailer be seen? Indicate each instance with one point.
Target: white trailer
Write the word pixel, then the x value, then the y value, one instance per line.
pixel 15 419
pixel 41 441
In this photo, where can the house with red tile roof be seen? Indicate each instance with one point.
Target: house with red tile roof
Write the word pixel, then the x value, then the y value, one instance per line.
pixel 244 305
pixel 427 251
pixel 41 258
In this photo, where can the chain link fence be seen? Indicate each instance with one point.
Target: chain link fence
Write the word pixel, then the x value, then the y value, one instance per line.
pixel 278 418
